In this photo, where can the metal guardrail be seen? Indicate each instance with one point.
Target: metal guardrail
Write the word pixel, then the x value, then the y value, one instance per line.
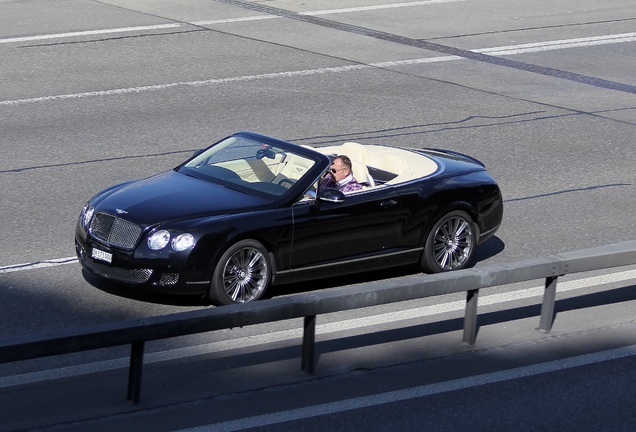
pixel 309 305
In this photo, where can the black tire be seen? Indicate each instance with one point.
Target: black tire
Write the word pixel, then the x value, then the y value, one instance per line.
pixel 242 275
pixel 451 243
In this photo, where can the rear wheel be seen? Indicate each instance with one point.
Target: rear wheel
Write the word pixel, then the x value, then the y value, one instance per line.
pixel 242 275
pixel 450 244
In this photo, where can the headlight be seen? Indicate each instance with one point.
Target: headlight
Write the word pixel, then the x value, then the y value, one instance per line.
pixel 182 242
pixel 87 214
pixel 159 240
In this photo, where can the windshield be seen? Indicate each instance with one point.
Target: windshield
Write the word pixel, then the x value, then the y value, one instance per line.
pixel 249 165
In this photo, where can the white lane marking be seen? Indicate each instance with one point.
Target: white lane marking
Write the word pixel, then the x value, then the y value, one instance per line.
pixel 325 12
pixel 211 22
pixel 559 44
pixel 414 392
pixel 89 33
pixel 507 50
pixel 38 264
pixel 223 348
pixel 378 7
pixel 158 87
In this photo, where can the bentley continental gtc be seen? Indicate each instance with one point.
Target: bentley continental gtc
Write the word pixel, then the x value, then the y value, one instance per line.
pixel 251 212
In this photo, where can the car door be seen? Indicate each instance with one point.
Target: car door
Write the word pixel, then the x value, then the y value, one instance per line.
pixel 363 224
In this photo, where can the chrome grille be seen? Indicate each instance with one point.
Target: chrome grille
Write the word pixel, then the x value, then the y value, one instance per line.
pixel 169 279
pixel 115 231
pixel 131 276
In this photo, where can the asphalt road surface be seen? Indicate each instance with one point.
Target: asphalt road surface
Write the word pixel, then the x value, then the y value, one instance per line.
pixel 97 92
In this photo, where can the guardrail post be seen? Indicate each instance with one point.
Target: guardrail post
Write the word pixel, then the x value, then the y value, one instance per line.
pixel 309 337
pixel 134 373
pixel 547 308
pixel 470 318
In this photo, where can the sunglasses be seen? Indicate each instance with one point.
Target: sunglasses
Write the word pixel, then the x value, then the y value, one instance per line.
pixel 333 170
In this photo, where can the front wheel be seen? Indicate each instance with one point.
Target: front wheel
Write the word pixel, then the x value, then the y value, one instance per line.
pixel 242 275
pixel 450 244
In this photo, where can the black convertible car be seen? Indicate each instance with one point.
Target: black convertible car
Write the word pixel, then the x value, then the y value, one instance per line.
pixel 246 213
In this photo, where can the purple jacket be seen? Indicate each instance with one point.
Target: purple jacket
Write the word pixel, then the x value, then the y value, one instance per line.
pixel 348 184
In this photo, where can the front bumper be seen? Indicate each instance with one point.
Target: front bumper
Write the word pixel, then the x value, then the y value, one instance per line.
pixel 148 278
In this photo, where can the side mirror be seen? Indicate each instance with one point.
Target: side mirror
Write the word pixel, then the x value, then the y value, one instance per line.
pixel 332 195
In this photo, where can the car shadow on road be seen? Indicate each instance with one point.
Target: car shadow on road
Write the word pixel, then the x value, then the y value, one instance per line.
pixel 491 247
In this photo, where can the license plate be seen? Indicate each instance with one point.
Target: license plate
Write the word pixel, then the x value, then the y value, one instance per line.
pixel 102 256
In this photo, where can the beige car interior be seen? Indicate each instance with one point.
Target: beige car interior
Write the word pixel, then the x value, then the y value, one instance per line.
pixel 402 165
pixel 373 165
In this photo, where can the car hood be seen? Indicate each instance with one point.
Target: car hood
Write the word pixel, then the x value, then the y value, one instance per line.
pixel 173 196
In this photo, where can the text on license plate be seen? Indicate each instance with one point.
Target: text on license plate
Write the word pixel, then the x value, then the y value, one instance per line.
pixel 102 256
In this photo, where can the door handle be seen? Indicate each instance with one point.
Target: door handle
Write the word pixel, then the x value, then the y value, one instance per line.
pixel 388 204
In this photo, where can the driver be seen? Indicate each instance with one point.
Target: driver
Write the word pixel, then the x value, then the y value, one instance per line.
pixel 340 176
